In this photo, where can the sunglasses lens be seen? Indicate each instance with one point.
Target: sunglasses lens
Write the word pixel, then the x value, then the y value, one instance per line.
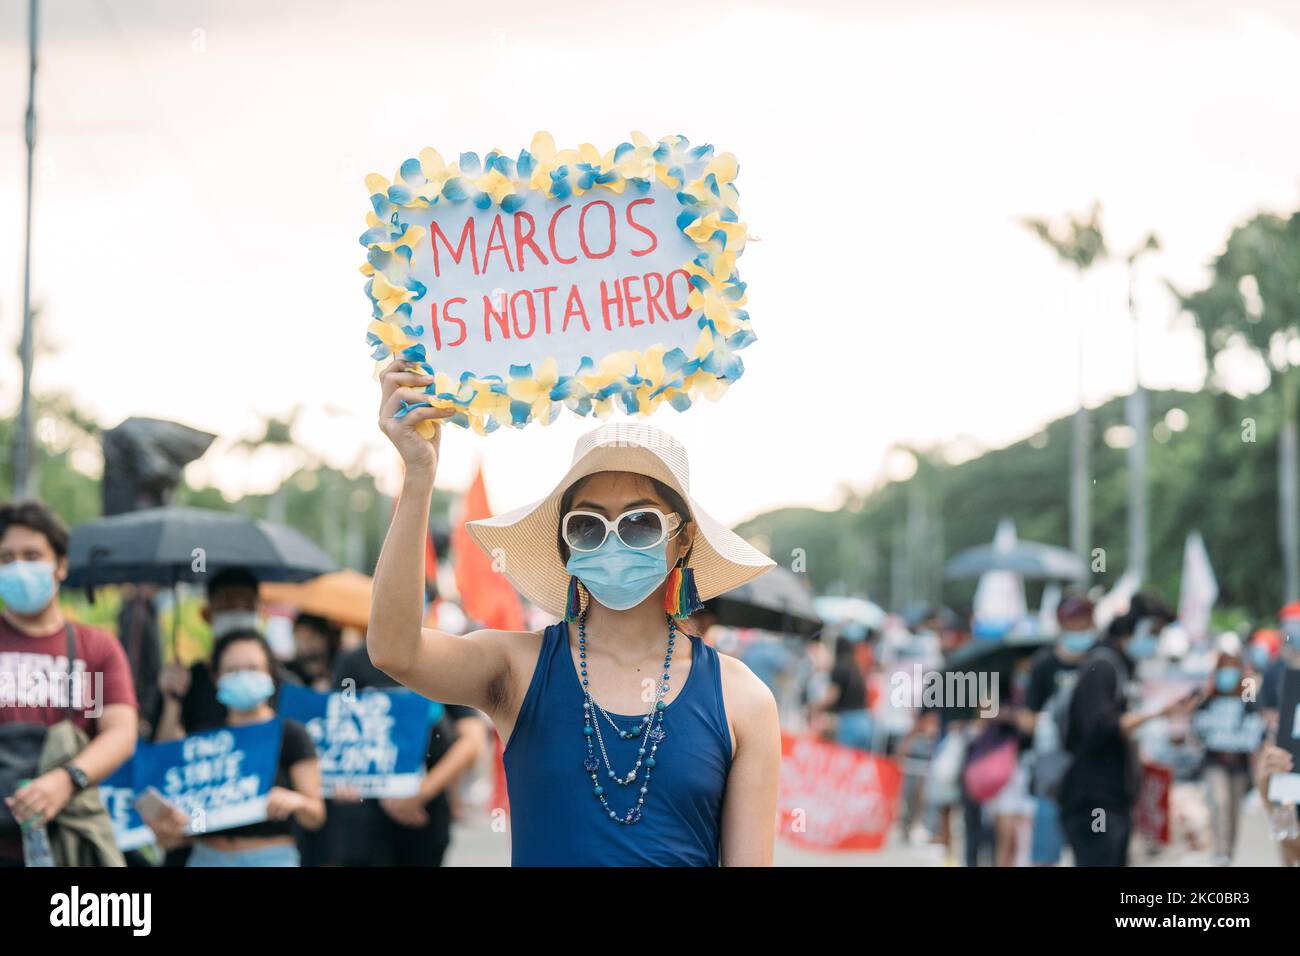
pixel 584 532
pixel 641 529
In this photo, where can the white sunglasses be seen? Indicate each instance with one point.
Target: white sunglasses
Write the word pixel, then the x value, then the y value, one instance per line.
pixel 639 528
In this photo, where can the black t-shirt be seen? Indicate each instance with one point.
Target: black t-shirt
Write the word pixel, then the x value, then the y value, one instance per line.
pixel 853 690
pixel 295 746
pixel 1102 774
pixel 1270 688
pixel 1047 674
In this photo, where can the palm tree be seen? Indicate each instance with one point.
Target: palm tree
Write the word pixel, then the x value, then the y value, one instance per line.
pixel 1253 300
pixel 1077 242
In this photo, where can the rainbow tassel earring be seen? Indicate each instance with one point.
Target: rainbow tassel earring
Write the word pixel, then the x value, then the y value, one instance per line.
pixel 573 606
pixel 680 597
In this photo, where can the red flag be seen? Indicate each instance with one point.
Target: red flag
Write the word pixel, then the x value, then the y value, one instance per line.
pixel 500 793
pixel 485 593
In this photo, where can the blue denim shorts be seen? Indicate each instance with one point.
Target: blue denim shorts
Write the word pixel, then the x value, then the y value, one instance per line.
pixel 1048 838
pixel 277 854
pixel 854 728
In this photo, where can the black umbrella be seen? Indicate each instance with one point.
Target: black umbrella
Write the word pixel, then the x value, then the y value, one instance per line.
pixel 982 654
pixel 777 600
pixel 173 544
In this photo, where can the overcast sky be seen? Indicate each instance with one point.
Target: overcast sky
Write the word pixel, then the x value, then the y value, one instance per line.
pixel 199 195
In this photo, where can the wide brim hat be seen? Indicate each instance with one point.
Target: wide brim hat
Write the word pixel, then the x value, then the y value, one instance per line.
pixel 526 537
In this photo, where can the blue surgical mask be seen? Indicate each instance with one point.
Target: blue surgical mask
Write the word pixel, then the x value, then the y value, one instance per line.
pixel 27 587
pixel 617 576
pixel 1142 647
pixel 1226 679
pixel 1259 656
pixel 244 690
pixel 227 622
pixel 1076 642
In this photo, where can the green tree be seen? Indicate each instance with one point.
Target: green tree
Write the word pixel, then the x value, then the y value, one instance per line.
pixel 1253 300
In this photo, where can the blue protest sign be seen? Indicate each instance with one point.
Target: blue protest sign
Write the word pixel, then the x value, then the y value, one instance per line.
pixel 1226 726
pixel 373 741
pixel 219 778
pixel 118 793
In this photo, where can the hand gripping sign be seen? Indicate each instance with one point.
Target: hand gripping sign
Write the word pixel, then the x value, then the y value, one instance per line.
pixel 560 279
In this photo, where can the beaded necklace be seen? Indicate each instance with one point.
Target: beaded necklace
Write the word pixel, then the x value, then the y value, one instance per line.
pixel 650 730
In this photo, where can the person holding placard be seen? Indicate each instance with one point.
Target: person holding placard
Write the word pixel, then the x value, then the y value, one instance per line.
pixel 1231 729
pixel 412 830
pixel 625 745
pixel 64 687
pixel 243 666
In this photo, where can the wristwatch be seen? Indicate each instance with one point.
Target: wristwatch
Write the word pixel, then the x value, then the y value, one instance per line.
pixel 79 779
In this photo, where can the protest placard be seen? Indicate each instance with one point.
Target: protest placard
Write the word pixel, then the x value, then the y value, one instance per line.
pixel 835 798
pixel 560 278
pixel 219 778
pixel 1226 725
pixel 1285 787
pixel 373 741
pixel 1151 809
pixel 118 793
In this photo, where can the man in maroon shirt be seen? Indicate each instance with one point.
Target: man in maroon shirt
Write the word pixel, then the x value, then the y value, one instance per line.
pixel 38 683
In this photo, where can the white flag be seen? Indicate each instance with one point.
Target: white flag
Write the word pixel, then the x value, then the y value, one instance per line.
pixel 1198 590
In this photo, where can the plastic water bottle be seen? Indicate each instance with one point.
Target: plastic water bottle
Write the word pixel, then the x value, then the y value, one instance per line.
pixel 1283 822
pixel 36 841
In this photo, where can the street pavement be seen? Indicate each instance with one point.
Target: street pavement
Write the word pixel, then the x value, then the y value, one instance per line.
pixel 476 843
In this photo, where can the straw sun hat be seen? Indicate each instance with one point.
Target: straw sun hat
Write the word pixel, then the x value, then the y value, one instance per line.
pixel 720 558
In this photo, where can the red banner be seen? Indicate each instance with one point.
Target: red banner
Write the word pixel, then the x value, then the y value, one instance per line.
pixel 835 798
pixel 1151 813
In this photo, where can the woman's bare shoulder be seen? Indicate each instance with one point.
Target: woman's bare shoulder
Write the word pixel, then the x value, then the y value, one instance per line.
pixel 747 699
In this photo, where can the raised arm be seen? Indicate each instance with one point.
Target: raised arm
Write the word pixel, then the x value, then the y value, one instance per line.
pixel 472 670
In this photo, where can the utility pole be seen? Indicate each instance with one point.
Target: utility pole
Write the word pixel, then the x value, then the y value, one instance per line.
pixel 1080 468
pixel 1139 552
pixel 22 476
pixel 1078 242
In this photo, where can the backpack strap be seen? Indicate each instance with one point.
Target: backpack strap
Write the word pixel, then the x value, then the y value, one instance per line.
pixel 1110 657
pixel 70 632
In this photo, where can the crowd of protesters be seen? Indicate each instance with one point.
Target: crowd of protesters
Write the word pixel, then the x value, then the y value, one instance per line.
pixel 1051 775
pixel 236 684
pixel 1082 713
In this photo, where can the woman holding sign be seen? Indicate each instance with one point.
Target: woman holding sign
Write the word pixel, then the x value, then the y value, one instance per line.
pixel 625 745
pixel 242 663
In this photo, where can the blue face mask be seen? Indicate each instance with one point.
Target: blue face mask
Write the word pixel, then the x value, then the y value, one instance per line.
pixel 617 576
pixel 1259 656
pixel 244 690
pixel 27 587
pixel 1143 647
pixel 1226 679
pixel 1076 642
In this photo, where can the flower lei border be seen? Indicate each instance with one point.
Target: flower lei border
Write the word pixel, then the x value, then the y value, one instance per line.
pixel 638 382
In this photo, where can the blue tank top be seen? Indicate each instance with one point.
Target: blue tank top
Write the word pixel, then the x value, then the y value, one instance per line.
pixel 555 817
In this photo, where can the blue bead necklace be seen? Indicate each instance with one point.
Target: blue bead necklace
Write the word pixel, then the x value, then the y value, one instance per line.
pixel 650 729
